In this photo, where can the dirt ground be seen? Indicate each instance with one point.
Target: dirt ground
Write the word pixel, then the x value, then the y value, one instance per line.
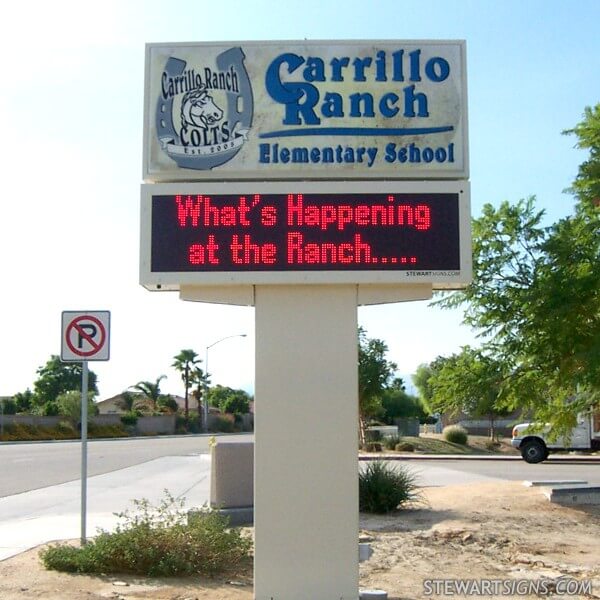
pixel 489 534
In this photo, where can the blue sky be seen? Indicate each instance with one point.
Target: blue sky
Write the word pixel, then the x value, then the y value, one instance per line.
pixel 72 103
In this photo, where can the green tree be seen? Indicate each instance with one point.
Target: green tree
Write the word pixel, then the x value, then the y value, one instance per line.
pixel 422 381
pixel 69 405
pixel 397 404
pixel 129 401
pixel 150 391
pixel 24 401
pixel 167 404
pixel 586 186
pixel 55 378
pixel 185 362
pixel 469 382
pixel 374 373
pixel 536 295
pixel 200 380
pixel 8 406
pixel 228 400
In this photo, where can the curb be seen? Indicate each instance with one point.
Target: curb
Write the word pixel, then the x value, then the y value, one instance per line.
pixel 484 457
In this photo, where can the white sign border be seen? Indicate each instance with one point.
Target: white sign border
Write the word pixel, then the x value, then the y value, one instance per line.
pixel 67 317
pixel 172 281
pixel 150 175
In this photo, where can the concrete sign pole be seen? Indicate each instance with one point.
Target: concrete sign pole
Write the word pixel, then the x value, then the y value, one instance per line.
pixel 306 443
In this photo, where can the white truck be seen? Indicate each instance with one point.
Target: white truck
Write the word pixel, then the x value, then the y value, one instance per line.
pixel 535 445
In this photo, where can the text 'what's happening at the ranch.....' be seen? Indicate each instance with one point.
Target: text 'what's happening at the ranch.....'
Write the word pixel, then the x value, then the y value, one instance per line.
pixel 305 231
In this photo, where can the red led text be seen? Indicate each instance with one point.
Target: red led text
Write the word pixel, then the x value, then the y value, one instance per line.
pixel 305 231
pixel 200 211
pixel 343 215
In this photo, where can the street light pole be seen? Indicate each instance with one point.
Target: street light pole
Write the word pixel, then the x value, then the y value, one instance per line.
pixel 205 403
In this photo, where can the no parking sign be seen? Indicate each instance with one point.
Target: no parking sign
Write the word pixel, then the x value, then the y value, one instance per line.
pixel 85 335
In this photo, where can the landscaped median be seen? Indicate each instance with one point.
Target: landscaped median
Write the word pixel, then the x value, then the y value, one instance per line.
pixel 432 443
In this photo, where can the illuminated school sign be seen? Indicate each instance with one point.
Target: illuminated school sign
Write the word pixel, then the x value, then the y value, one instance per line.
pixel 305 110
pixel 248 233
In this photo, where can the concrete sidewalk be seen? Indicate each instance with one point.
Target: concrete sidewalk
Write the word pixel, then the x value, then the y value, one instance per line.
pixel 53 513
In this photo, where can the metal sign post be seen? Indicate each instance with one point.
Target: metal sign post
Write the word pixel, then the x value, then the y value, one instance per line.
pixel 85 336
pixel 84 418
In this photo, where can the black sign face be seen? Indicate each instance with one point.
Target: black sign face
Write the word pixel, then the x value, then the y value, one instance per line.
pixel 282 232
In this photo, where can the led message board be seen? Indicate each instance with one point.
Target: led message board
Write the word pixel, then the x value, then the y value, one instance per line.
pixel 211 234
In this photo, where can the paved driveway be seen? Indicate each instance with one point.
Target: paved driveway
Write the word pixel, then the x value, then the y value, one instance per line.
pixel 53 513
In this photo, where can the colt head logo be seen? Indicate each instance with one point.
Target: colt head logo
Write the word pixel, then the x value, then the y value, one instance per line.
pixel 198 109
pixel 204 112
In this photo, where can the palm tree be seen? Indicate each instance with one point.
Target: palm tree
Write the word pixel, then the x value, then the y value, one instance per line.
pixel 150 390
pixel 185 361
pixel 201 380
pixel 128 401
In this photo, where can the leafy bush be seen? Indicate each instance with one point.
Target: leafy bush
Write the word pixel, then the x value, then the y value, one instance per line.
pixel 456 434
pixel 64 428
pixel 8 406
pixel 49 409
pixel 192 424
pixel 390 442
pixel 167 404
pixel 156 541
pixel 383 488
pixel 229 400
pixel 222 425
pixel 130 418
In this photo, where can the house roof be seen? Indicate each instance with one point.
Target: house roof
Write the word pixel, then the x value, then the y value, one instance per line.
pixel 115 400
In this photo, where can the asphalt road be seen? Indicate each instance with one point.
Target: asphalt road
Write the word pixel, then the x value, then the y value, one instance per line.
pixel 30 466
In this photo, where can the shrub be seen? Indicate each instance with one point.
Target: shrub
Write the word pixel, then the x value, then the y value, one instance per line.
pixel 383 488
pixel 21 431
pixel 65 429
pixel 193 424
pixel 404 447
pixel 106 431
pixel 130 419
pixel 9 406
pixel 373 447
pixel 391 441
pixel 456 434
pixel 156 541
pixel 222 425
pixel 167 404
pixel 373 435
